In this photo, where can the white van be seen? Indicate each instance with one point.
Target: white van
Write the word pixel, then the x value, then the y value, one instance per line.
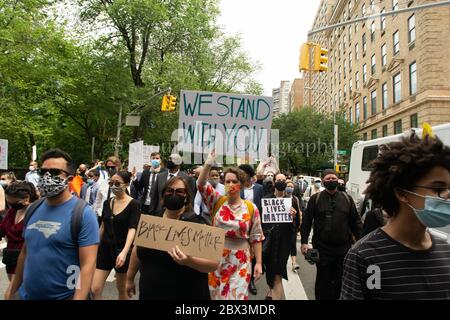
pixel 363 152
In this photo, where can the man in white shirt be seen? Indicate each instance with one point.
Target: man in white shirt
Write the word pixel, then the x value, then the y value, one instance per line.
pixel 199 205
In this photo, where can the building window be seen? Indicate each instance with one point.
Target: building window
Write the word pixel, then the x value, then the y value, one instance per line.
pixel 350 7
pixel 383 55
pixel 364 43
pixel 365 136
pixel 414 121
pixel 350 35
pixel 394 5
pixel 357 80
pixel 398 127
pixel 383 21
pixel 350 115
pixel 413 78
pixel 412 28
pixel 397 88
pixel 350 83
pixel 340 97
pixel 345 90
pixel 357 113
pixel 365 108
pixel 385 130
pixel 385 95
pixel 373 99
pixel 363 10
pixel 356 25
pixel 344 42
pixel 356 52
pixel 345 69
pixel 373 64
pixel 340 74
pixel 374 134
pixel 364 73
pixel 350 60
pixel 396 38
pixel 372 31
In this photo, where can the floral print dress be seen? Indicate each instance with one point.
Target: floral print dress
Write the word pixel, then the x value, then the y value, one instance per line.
pixel 231 279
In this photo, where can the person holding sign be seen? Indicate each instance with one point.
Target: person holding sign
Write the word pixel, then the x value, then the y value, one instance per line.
pixel 279 236
pixel 171 275
pixel 241 220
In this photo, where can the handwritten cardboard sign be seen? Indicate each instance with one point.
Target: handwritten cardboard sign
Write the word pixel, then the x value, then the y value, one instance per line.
pixel 235 125
pixel 196 240
pixel 277 210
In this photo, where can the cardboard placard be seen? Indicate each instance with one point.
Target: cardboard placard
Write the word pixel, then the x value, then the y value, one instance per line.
pixel 277 210
pixel 196 240
pixel 3 154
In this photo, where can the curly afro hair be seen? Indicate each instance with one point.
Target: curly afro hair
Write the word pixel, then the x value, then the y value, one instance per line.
pixel 400 165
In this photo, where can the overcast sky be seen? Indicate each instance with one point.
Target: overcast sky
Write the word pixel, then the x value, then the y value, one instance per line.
pixel 272 33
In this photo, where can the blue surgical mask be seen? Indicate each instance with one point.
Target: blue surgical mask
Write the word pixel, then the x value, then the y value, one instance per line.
pixel 3 183
pixel 318 184
pixel 436 212
pixel 289 190
pixel 90 182
pixel 156 163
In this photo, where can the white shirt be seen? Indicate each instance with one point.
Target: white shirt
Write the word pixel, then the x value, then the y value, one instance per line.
pixel 248 194
pixel 150 182
pixel 171 175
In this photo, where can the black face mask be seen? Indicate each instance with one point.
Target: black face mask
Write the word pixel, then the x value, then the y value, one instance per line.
pixel 280 185
pixel 17 206
pixel 111 171
pixel 341 187
pixel 330 185
pixel 174 202
pixel 171 165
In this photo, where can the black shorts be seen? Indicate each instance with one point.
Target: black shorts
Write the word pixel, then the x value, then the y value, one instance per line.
pixel 106 258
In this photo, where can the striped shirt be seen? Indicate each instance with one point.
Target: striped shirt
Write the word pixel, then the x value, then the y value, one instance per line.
pixel 379 267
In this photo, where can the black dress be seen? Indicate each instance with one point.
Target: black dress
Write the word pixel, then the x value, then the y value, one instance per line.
pixel 279 248
pixel 164 279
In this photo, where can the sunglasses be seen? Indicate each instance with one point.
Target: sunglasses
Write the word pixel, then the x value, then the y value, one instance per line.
pixel 178 191
pixel 53 172
pixel 115 183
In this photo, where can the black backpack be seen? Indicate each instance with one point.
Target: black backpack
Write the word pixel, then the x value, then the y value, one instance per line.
pixel 76 220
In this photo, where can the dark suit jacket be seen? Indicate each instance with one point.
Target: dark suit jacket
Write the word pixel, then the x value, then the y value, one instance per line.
pixel 257 196
pixel 141 184
pixel 156 191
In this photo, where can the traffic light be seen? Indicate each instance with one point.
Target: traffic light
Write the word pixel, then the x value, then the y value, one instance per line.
pixel 320 58
pixel 172 103
pixel 165 104
pixel 304 58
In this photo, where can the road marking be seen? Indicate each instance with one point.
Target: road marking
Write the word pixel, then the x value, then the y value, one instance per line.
pixel 111 277
pixel 293 288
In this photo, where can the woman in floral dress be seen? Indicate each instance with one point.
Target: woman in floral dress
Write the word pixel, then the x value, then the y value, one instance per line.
pixel 241 221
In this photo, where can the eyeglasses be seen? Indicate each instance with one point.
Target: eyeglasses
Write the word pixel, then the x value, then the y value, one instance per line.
pixel 178 191
pixel 53 172
pixel 115 183
pixel 442 191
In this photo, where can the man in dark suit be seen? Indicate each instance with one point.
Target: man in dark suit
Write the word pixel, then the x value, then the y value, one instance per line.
pixel 147 181
pixel 252 192
pixel 173 165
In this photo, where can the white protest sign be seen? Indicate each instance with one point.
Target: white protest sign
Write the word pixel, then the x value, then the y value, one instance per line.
pixel 3 154
pixel 235 125
pixel 135 156
pixel 147 152
pixel 196 240
pixel 276 210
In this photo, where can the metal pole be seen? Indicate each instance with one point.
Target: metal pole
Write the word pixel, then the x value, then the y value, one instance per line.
pixel 119 126
pixel 92 148
pixel 335 136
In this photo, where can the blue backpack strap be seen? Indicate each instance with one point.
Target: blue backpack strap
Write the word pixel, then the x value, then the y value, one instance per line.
pixel 31 209
pixel 76 221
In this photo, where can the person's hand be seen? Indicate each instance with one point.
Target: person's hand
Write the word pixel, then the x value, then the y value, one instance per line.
pixel 178 256
pixel 257 271
pixel 304 249
pixel 8 293
pixel 130 288
pixel 121 258
pixel 293 213
pixel 211 160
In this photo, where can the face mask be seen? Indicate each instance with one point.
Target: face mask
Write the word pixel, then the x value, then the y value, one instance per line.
pixel 331 185
pixel 235 188
pixel 17 206
pixel 111 171
pixel 31 168
pixel 3 183
pixel 170 165
pixel 289 190
pixel 341 187
pixel 174 201
pixel 90 182
pixel 280 185
pixel 118 190
pixel 436 212
pixel 51 186
pixel 318 185
pixel 156 163
pixel 213 182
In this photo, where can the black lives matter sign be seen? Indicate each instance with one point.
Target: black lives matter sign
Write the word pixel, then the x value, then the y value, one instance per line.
pixel 277 210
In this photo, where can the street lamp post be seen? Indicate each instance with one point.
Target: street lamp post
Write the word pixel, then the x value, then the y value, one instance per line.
pixel 335 126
